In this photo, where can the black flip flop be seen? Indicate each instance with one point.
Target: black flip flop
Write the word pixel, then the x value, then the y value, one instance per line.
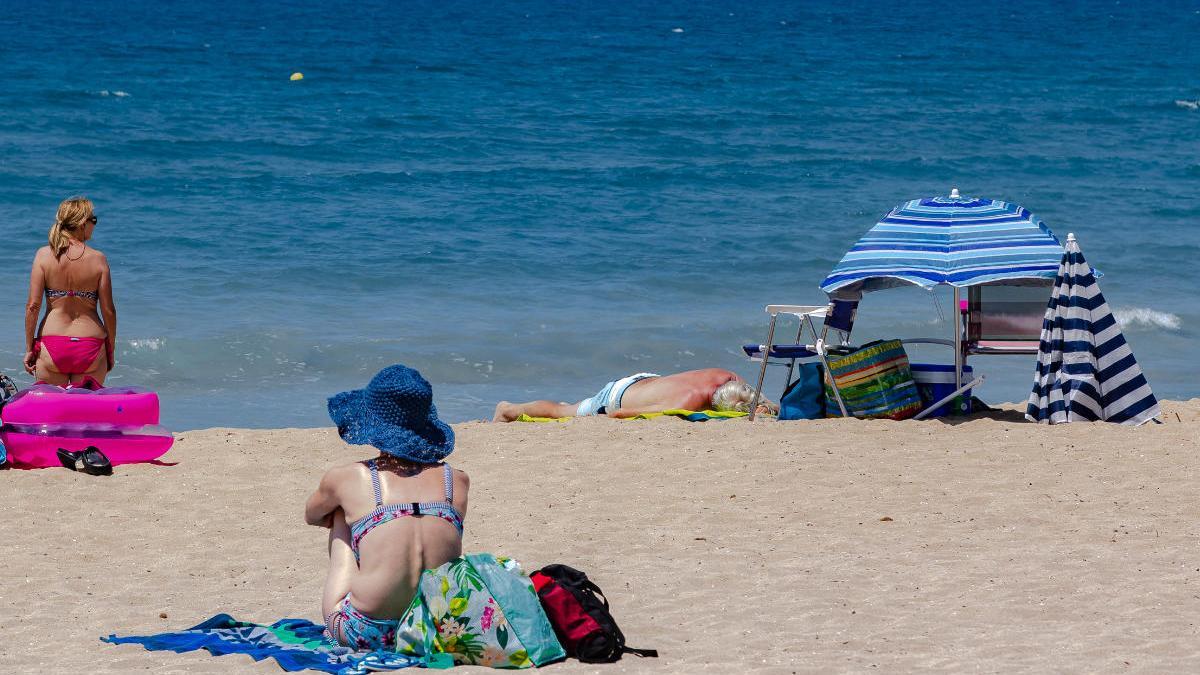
pixel 69 458
pixel 94 461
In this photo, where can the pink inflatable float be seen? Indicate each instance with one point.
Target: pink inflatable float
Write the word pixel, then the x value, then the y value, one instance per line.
pixel 121 421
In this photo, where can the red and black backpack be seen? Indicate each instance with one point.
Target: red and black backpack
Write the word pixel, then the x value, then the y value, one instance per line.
pixel 579 613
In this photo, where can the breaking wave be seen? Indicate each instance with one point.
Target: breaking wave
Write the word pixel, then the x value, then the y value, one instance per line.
pixel 1142 317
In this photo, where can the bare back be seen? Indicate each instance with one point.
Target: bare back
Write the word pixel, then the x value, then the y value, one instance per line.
pixel 690 390
pixel 73 315
pixel 393 554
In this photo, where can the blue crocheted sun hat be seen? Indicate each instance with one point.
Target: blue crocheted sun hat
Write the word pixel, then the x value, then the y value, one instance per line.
pixel 394 413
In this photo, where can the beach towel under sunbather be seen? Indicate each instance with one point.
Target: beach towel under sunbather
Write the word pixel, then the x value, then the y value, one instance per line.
pixel 478 609
pixel 295 644
pixel 608 398
pixel 689 415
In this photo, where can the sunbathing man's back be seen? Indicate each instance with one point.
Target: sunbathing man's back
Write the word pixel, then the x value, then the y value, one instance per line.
pixel 690 390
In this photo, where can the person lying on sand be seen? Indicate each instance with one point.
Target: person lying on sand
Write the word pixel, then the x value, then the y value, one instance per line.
pixel 705 389
pixel 392 516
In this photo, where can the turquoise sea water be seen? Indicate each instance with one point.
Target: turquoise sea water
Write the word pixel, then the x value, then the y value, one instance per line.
pixel 529 199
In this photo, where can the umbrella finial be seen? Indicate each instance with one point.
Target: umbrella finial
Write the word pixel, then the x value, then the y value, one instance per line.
pixel 954 193
pixel 1070 236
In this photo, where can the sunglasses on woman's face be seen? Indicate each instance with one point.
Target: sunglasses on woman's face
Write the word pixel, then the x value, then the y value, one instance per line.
pixel 93 220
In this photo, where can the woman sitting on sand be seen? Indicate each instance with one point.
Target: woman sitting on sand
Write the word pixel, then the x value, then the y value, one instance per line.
pixel 73 345
pixel 392 516
pixel 705 389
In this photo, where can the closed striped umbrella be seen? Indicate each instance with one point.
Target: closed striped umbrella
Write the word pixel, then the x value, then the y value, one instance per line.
pixel 959 241
pixel 1085 369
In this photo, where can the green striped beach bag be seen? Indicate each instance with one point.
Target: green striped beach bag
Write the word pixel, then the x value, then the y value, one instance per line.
pixel 875 381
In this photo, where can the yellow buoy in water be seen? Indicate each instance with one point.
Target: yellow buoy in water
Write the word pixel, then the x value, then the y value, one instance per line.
pixel 297 77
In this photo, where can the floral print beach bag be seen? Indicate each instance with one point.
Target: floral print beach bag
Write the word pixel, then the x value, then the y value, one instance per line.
pixel 480 610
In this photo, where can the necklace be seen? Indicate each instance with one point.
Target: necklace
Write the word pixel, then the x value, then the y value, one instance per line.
pixel 78 256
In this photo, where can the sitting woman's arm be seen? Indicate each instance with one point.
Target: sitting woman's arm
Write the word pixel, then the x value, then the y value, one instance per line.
pixel 321 504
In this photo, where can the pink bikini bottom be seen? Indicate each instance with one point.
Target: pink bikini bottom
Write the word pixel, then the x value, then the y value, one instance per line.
pixel 73 355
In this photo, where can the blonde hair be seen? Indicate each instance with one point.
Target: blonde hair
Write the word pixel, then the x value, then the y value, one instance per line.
pixel 73 215
pixel 736 395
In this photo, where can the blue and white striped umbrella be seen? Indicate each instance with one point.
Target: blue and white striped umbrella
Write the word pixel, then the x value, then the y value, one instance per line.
pixel 1085 369
pixel 959 241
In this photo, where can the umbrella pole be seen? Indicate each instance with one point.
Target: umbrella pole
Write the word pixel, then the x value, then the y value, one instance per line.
pixel 958 352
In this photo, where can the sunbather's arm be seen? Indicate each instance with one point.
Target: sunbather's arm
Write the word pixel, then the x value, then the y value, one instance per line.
pixel 321 505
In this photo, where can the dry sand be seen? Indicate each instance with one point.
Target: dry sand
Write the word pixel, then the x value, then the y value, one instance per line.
pixel 836 545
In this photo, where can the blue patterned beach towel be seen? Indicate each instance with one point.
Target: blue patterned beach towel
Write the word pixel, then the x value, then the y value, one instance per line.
pixel 477 609
pixel 295 644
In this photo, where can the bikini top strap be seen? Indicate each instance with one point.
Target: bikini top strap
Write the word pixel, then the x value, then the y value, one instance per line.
pixel 375 483
pixel 448 481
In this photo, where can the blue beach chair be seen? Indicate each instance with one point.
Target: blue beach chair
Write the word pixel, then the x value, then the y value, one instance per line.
pixel 838 316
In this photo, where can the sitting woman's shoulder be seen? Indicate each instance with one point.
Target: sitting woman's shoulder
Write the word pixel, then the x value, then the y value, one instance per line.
pixel 339 473
pixel 462 482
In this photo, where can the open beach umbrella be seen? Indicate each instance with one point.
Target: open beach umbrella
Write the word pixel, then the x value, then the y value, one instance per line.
pixel 956 241
pixel 1085 369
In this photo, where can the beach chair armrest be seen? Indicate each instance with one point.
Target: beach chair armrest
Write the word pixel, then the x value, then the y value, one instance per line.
pixel 815 311
pixel 928 341
pixel 781 351
pixel 997 347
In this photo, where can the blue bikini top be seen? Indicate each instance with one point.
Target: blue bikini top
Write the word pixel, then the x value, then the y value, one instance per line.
pixel 388 512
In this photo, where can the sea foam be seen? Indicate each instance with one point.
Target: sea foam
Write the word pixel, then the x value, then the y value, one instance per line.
pixel 1143 317
pixel 1190 105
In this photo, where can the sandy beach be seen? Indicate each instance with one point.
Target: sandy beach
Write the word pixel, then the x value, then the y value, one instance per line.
pixel 988 544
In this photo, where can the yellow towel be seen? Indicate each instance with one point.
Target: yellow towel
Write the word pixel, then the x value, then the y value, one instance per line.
pixel 528 418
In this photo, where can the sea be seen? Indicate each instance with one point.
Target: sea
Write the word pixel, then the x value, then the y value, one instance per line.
pixel 528 199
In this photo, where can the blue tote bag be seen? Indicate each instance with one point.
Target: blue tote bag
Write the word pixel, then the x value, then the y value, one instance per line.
pixel 804 399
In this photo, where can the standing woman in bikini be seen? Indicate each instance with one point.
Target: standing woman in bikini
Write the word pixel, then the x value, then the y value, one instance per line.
pixel 72 344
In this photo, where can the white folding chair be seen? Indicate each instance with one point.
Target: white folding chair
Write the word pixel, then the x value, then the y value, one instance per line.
pixel 837 316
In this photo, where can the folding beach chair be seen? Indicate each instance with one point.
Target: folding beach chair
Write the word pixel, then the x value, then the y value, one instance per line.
pixel 838 316
pixel 1005 319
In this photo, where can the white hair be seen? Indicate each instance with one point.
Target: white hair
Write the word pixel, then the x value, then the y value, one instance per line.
pixel 736 395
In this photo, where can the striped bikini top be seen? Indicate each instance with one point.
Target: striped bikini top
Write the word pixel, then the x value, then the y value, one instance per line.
pixel 86 295
pixel 387 512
